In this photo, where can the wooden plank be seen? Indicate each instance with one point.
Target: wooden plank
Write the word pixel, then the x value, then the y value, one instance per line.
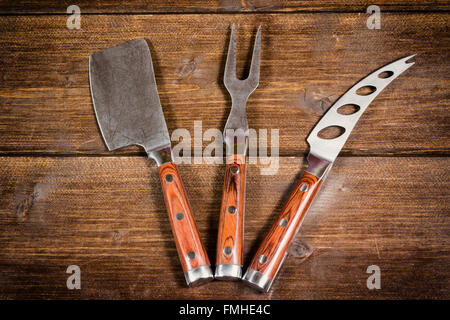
pixel 216 6
pixel 308 61
pixel 107 216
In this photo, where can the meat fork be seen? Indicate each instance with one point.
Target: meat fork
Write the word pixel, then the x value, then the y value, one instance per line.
pixel 230 238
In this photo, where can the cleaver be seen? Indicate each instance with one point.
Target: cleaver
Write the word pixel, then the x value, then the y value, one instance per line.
pixel 128 112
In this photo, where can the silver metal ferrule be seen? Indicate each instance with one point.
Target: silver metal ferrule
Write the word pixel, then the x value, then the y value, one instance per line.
pixel 236 142
pixel 318 166
pixel 228 271
pixel 257 280
pixel 198 276
pixel 161 156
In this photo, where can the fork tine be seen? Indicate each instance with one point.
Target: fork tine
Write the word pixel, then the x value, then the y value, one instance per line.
pixel 253 75
pixel 230 65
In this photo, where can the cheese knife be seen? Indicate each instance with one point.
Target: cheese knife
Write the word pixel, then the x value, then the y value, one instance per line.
pixel 323 152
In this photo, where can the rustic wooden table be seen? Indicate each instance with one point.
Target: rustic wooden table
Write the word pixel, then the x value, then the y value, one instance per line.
pixel 65 200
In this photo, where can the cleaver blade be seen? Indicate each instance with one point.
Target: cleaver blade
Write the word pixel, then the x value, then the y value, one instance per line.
pixel 125 97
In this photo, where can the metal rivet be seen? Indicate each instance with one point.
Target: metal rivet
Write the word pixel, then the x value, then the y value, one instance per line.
pixel 283 222
pixel 180 216
pixel 191 255
pixel 234 169
pixel 227 250
pixel 169 178
pixel 231 209
pixel 304 187
pixel 262 258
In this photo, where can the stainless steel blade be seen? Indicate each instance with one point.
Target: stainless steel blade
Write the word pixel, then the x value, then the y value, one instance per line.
pixel 328 149
pixel 125 97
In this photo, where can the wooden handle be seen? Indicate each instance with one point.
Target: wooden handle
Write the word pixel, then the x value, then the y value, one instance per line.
pixel 230 238
pixel 273 250
pixel 190 248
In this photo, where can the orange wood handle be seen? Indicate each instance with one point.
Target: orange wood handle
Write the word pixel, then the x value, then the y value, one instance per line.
pixel 272 251
pixel 230 236
pixel 189 245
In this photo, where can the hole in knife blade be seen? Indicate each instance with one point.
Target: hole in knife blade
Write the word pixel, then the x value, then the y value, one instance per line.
pixel 385 74
pixel 331 132
pixel 366 90
pixel 348 109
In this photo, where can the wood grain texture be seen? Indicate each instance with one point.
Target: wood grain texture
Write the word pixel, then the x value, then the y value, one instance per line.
pixel 190 248
pixel 107 216
pixel 105 212
pixel 232 213
pixel 211 6
pixel 307 62
pixel 274 248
